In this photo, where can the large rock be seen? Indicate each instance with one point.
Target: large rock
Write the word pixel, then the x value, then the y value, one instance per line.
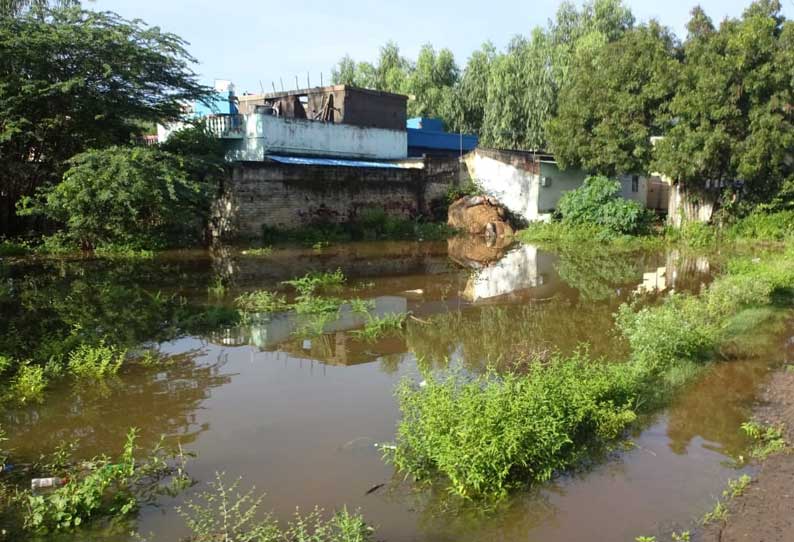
pixel 479 215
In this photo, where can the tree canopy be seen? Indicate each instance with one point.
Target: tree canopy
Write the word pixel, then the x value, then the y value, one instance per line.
pixel 604 123
pixel 734 106
pixel 71 80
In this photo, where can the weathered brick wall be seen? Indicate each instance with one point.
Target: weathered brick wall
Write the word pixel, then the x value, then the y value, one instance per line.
pixel 282 196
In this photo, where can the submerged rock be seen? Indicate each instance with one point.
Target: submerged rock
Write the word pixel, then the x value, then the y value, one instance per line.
pixel 479 215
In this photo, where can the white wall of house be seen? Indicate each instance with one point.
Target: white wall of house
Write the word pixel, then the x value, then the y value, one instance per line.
pixel 516 188
pixel 267 134
pixel 534 197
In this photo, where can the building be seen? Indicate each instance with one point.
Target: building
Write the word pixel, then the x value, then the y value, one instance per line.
pixel 531 184
pixel 332 122
pixel 426 137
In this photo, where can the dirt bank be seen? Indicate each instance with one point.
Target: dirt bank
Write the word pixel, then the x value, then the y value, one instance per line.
pixel 765 511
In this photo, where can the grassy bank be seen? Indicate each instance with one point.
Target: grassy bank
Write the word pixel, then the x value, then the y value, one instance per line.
pixel 755 227
pixel 488 434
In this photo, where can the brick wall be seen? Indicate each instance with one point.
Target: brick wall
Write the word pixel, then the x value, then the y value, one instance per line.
pixel 282 196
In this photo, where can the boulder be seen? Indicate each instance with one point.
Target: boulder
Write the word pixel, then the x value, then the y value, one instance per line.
pixel 479 215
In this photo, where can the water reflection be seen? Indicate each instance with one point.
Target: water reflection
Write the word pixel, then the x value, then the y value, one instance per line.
pixel 159 401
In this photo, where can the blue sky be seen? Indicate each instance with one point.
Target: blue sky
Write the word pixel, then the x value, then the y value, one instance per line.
pixel 249 40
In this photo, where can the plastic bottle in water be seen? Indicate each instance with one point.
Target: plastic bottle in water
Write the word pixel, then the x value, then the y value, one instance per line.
pixel 43 483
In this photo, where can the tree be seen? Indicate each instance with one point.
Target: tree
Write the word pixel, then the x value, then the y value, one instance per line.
pixel 15 8
pixel 526 79
pixel 142 197
pixel 520 95
pixel 431 83
pixel 472 92
pixel 604 124
pixel 72 80
pixel 734 118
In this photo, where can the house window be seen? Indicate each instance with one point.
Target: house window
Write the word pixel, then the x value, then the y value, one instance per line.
pixel 635 183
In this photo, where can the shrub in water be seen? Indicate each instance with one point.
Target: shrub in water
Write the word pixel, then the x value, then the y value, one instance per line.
pixel 491 432
pixel 224 513
pixel 89 361
pixel 102 488
pixel 261 301
pixel 29 383
pixel 598 201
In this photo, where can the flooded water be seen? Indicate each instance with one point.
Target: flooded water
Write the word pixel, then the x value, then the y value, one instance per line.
pixel 299 416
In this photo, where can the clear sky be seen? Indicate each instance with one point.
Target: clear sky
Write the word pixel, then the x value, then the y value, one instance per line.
pixel 251 40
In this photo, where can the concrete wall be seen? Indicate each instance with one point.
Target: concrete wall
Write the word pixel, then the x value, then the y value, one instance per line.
pixel 258 194
pixel 355 106
pixel 508 177
pixel 266 134
pixel 531 185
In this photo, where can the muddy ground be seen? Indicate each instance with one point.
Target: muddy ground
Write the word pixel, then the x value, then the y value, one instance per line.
pixel 765 512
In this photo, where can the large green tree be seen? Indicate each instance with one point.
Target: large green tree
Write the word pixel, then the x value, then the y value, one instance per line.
pixel 734 118
pixel 525 80
pixel 615 99
pixel 71 80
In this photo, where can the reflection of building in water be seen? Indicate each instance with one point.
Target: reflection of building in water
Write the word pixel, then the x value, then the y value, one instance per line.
pixel 523 268
pixel 268 331
pixel 681 272
pixel 653 281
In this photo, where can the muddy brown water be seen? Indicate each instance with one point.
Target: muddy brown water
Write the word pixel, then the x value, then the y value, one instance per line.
pixel 299 417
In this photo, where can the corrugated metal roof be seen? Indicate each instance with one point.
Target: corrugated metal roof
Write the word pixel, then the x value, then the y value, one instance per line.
pixel 309 161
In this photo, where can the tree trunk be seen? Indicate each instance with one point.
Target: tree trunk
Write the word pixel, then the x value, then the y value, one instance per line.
pixel 688 205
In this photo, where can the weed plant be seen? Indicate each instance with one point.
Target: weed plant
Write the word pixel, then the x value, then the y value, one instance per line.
pixel 224 513
pixel 377 328
pixel 96 362
pixel 99 488
pixel 767 439
pixel 261 301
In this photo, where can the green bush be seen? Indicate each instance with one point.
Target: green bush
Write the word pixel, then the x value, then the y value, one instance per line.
pixel 764 226
pixel 95 361
pixel 101 488
pixel 489 433
pixel 137 197
pixel 598 202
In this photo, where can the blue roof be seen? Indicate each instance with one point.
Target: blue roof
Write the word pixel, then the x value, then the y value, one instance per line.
pixel 309 161
pixel 441 140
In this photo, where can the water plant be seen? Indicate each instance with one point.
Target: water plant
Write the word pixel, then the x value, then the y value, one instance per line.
pixel 261 301
pixel 379 327
pixel 737 487
pixel 718 513
pixel 28 384
pixel 361 306
pixel 491 433
pixel 217 288
pixel 101 487
pixel 767 439
pixel 312 283
pixel 95 361
pixel 223 513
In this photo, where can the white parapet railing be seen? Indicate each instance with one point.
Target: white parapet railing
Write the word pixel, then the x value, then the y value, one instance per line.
pixel 226 126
